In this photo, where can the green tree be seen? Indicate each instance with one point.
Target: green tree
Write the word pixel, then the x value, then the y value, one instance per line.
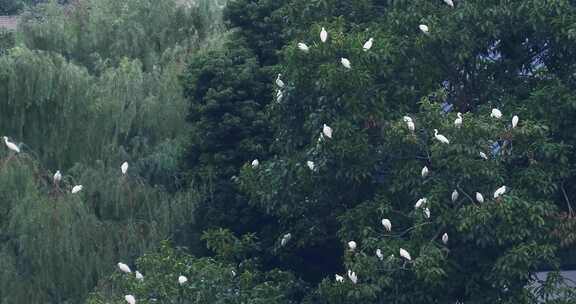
pixel 227 92
pixel 209 280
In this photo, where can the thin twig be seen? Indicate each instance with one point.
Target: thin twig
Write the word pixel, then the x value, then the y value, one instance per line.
pixel 570 210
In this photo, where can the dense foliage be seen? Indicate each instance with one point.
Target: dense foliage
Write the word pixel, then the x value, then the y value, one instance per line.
pixel 83 89
pixel 417 153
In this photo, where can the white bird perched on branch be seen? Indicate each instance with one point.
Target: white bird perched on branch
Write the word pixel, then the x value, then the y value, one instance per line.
pixel 124 268
pixel 411 126
pixel 405 254
pixel 303 47
pixel 323 35
pixel 327 131
pixel 483 155
pixel 77 189
pixel 255 163
pixel 425 171
pixel 279 81
pixel 139 276
pixel 515 120
pixel 311 165
pixel 130 299
pixel 346 63
pixel 379 254
pixel 182 280
pixel 124 168
pixel 339 278
pixel 445 238
pixel 455 195
pixel 479 197
pixel 368 44
pixel 57 177
pixel 409 122
pixel 499 192
pixel 387 224
pixel 352 245
pixel 420 202
pixel 458 121
pixel 12 146
pixel 449 2
pixel 353 277
pixel 285 239
pixel 424 28
pixel 496 113
pixel 441 138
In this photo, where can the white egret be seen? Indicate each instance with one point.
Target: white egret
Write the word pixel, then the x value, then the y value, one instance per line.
pixel 420 202
pixel 458 121
pixel 323 35
pixel 124 168
pixel 387 224
pixel 124 268
pixel 499 192
pixel 483 155
pixel 182 280
pixel 515 120
pixel 407 118
pixel 327 131
pixel 77 189
pixel 279 96
pixel 424 172
pixel 441 138
pixel 57 177
pixel 353 277
pixel 445 238
pixel 449 2
pixel 303 47
pixel 424 28
pixel 455 195
pixel 368 44
pixel 279 81
pixel 496 113
pixel 405 254
pixel 12 146
pixel 255 163
pixel 339 278
pixel 285 239
pixel 311 165
pixel 130 299
pixel 346 63
pixel 352 245
pixel 139 276
pixel 427 213
pixel 411 126
pixel 379 254
pixel 479 197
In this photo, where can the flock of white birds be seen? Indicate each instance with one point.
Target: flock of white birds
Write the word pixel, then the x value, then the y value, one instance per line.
pixel 57 177
pixel 126 269
pixel 327 132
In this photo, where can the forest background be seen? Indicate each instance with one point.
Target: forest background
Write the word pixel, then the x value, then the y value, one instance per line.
pixel 352 198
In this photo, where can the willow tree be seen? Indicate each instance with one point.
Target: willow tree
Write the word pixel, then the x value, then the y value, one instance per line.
pixel 77 102
pixel 102 32
pixel 58 244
